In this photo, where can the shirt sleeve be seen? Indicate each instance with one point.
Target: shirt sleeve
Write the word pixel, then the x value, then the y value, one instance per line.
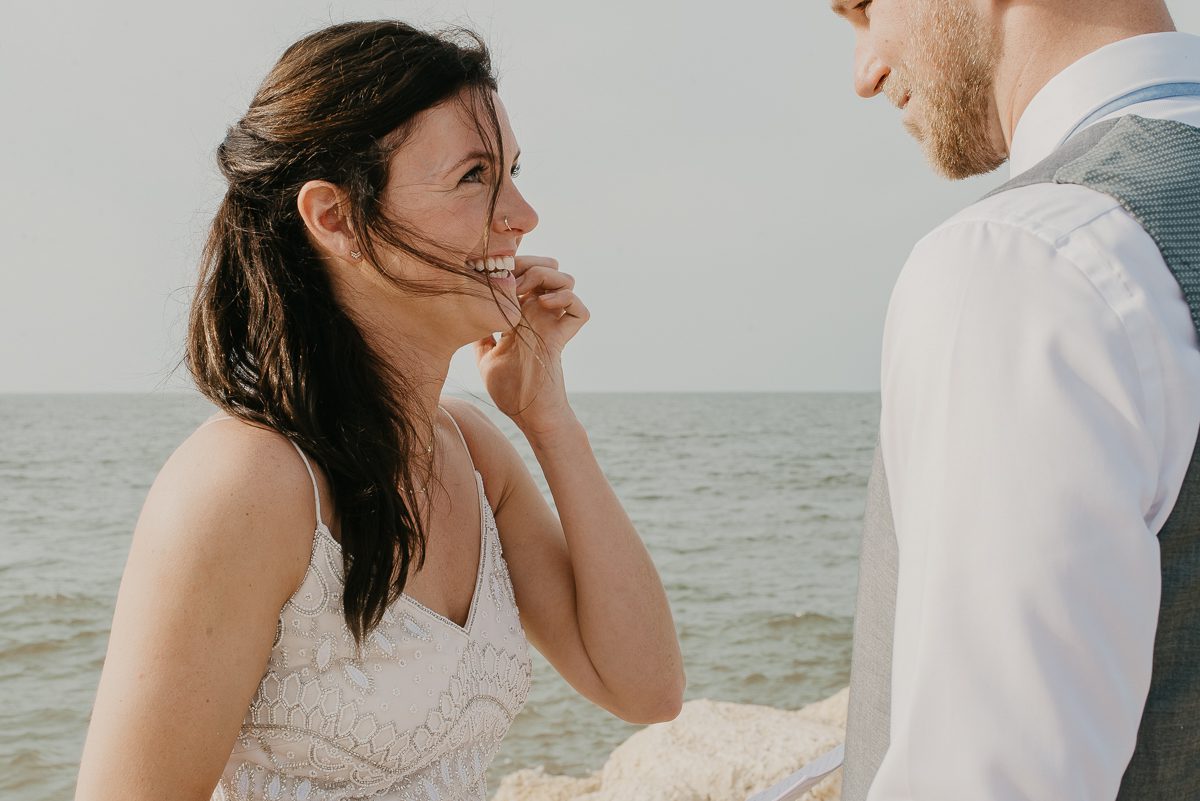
pixel 1020 470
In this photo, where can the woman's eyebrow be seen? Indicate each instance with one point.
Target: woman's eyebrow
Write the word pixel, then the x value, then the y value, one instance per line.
pixel 475 155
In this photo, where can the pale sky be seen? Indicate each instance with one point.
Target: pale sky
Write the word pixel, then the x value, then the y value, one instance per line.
pixel 734 215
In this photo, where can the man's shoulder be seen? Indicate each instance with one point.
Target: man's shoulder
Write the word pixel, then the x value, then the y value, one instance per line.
pixel 1049 212
pixel 1010 236
pixel 1030 251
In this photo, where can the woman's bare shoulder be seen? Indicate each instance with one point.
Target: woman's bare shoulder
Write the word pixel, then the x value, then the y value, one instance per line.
pixel 493 453
pixel 484 437
pixel 233 493
pixel 222 543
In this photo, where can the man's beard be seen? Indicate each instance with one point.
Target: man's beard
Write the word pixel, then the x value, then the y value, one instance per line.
pixel 953 89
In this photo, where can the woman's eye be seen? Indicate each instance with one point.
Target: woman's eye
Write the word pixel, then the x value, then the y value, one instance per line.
pixel 474 176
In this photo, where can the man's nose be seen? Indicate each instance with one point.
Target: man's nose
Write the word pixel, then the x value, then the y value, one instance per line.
pixel 869 72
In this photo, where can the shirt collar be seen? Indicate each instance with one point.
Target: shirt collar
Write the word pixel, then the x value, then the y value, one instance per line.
pixel 1094 81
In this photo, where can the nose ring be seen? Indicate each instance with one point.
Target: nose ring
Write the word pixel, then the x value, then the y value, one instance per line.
pixel 507 227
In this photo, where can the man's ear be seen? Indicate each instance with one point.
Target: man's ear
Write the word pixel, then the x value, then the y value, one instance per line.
pixel 322 207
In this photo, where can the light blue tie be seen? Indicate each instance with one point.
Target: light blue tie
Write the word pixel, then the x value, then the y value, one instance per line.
pixel 1162 91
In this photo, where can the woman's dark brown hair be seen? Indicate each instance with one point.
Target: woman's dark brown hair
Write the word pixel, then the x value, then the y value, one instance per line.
pixel 266 340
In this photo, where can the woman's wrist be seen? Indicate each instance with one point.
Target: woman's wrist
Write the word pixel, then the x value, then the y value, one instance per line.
pixel 551 434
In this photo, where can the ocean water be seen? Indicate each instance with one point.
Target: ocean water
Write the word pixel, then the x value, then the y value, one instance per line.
pixel 749 504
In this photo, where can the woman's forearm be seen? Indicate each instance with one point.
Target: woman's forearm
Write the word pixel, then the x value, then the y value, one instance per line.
pixel 624 617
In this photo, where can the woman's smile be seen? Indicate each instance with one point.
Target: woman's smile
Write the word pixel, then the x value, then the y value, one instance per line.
pixel 498 269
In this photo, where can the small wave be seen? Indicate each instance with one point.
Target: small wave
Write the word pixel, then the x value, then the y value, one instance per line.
pixel 25 766
pixel 842 480
pixel 26 649
pixel 53 600
pixel 800 619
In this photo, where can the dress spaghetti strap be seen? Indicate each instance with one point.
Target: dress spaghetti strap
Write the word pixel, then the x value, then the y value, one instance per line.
pixel 316 492
pixel 307 466
pixel 460 435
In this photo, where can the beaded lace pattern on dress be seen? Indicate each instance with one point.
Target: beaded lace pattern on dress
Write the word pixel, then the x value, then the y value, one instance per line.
pixel 416 714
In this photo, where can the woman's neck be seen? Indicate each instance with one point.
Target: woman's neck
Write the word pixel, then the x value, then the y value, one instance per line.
pixel 420 365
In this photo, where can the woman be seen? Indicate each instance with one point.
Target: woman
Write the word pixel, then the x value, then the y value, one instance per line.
pixel 370 230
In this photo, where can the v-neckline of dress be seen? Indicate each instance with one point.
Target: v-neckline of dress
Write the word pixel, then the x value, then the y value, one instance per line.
pixel 464 629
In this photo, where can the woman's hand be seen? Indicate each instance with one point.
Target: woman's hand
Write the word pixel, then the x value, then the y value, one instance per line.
pixel 523 371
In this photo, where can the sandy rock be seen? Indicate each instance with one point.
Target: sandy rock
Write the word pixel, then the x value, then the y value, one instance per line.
pixel 537 785
pixel 714 751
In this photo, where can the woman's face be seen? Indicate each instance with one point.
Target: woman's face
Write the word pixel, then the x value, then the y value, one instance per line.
pixel 439 185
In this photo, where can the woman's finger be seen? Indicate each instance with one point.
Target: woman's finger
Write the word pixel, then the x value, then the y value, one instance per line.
pixel 484 346
pixel 540 279
pixel 523 263
pixel 563 305
pixel 569 311
pixel 557 300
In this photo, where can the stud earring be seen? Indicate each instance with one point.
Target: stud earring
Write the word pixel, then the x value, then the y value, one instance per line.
pixel 354 254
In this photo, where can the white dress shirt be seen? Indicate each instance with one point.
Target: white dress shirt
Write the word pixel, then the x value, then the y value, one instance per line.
pixel 1041 399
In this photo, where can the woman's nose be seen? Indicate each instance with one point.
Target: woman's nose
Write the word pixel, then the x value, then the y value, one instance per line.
pixel 869 72
pixel 513 213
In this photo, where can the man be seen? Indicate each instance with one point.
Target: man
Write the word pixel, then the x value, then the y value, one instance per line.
pixel 1028 622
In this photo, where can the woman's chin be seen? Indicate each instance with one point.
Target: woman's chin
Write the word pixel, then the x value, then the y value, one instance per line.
pixel 503 318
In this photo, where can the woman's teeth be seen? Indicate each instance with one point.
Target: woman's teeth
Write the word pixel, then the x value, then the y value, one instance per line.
pixel 494 266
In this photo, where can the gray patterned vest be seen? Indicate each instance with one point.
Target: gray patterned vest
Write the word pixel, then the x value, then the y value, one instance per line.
pixel 1152 167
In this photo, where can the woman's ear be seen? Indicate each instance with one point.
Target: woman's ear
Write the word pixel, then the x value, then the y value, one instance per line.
pixel 322 207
